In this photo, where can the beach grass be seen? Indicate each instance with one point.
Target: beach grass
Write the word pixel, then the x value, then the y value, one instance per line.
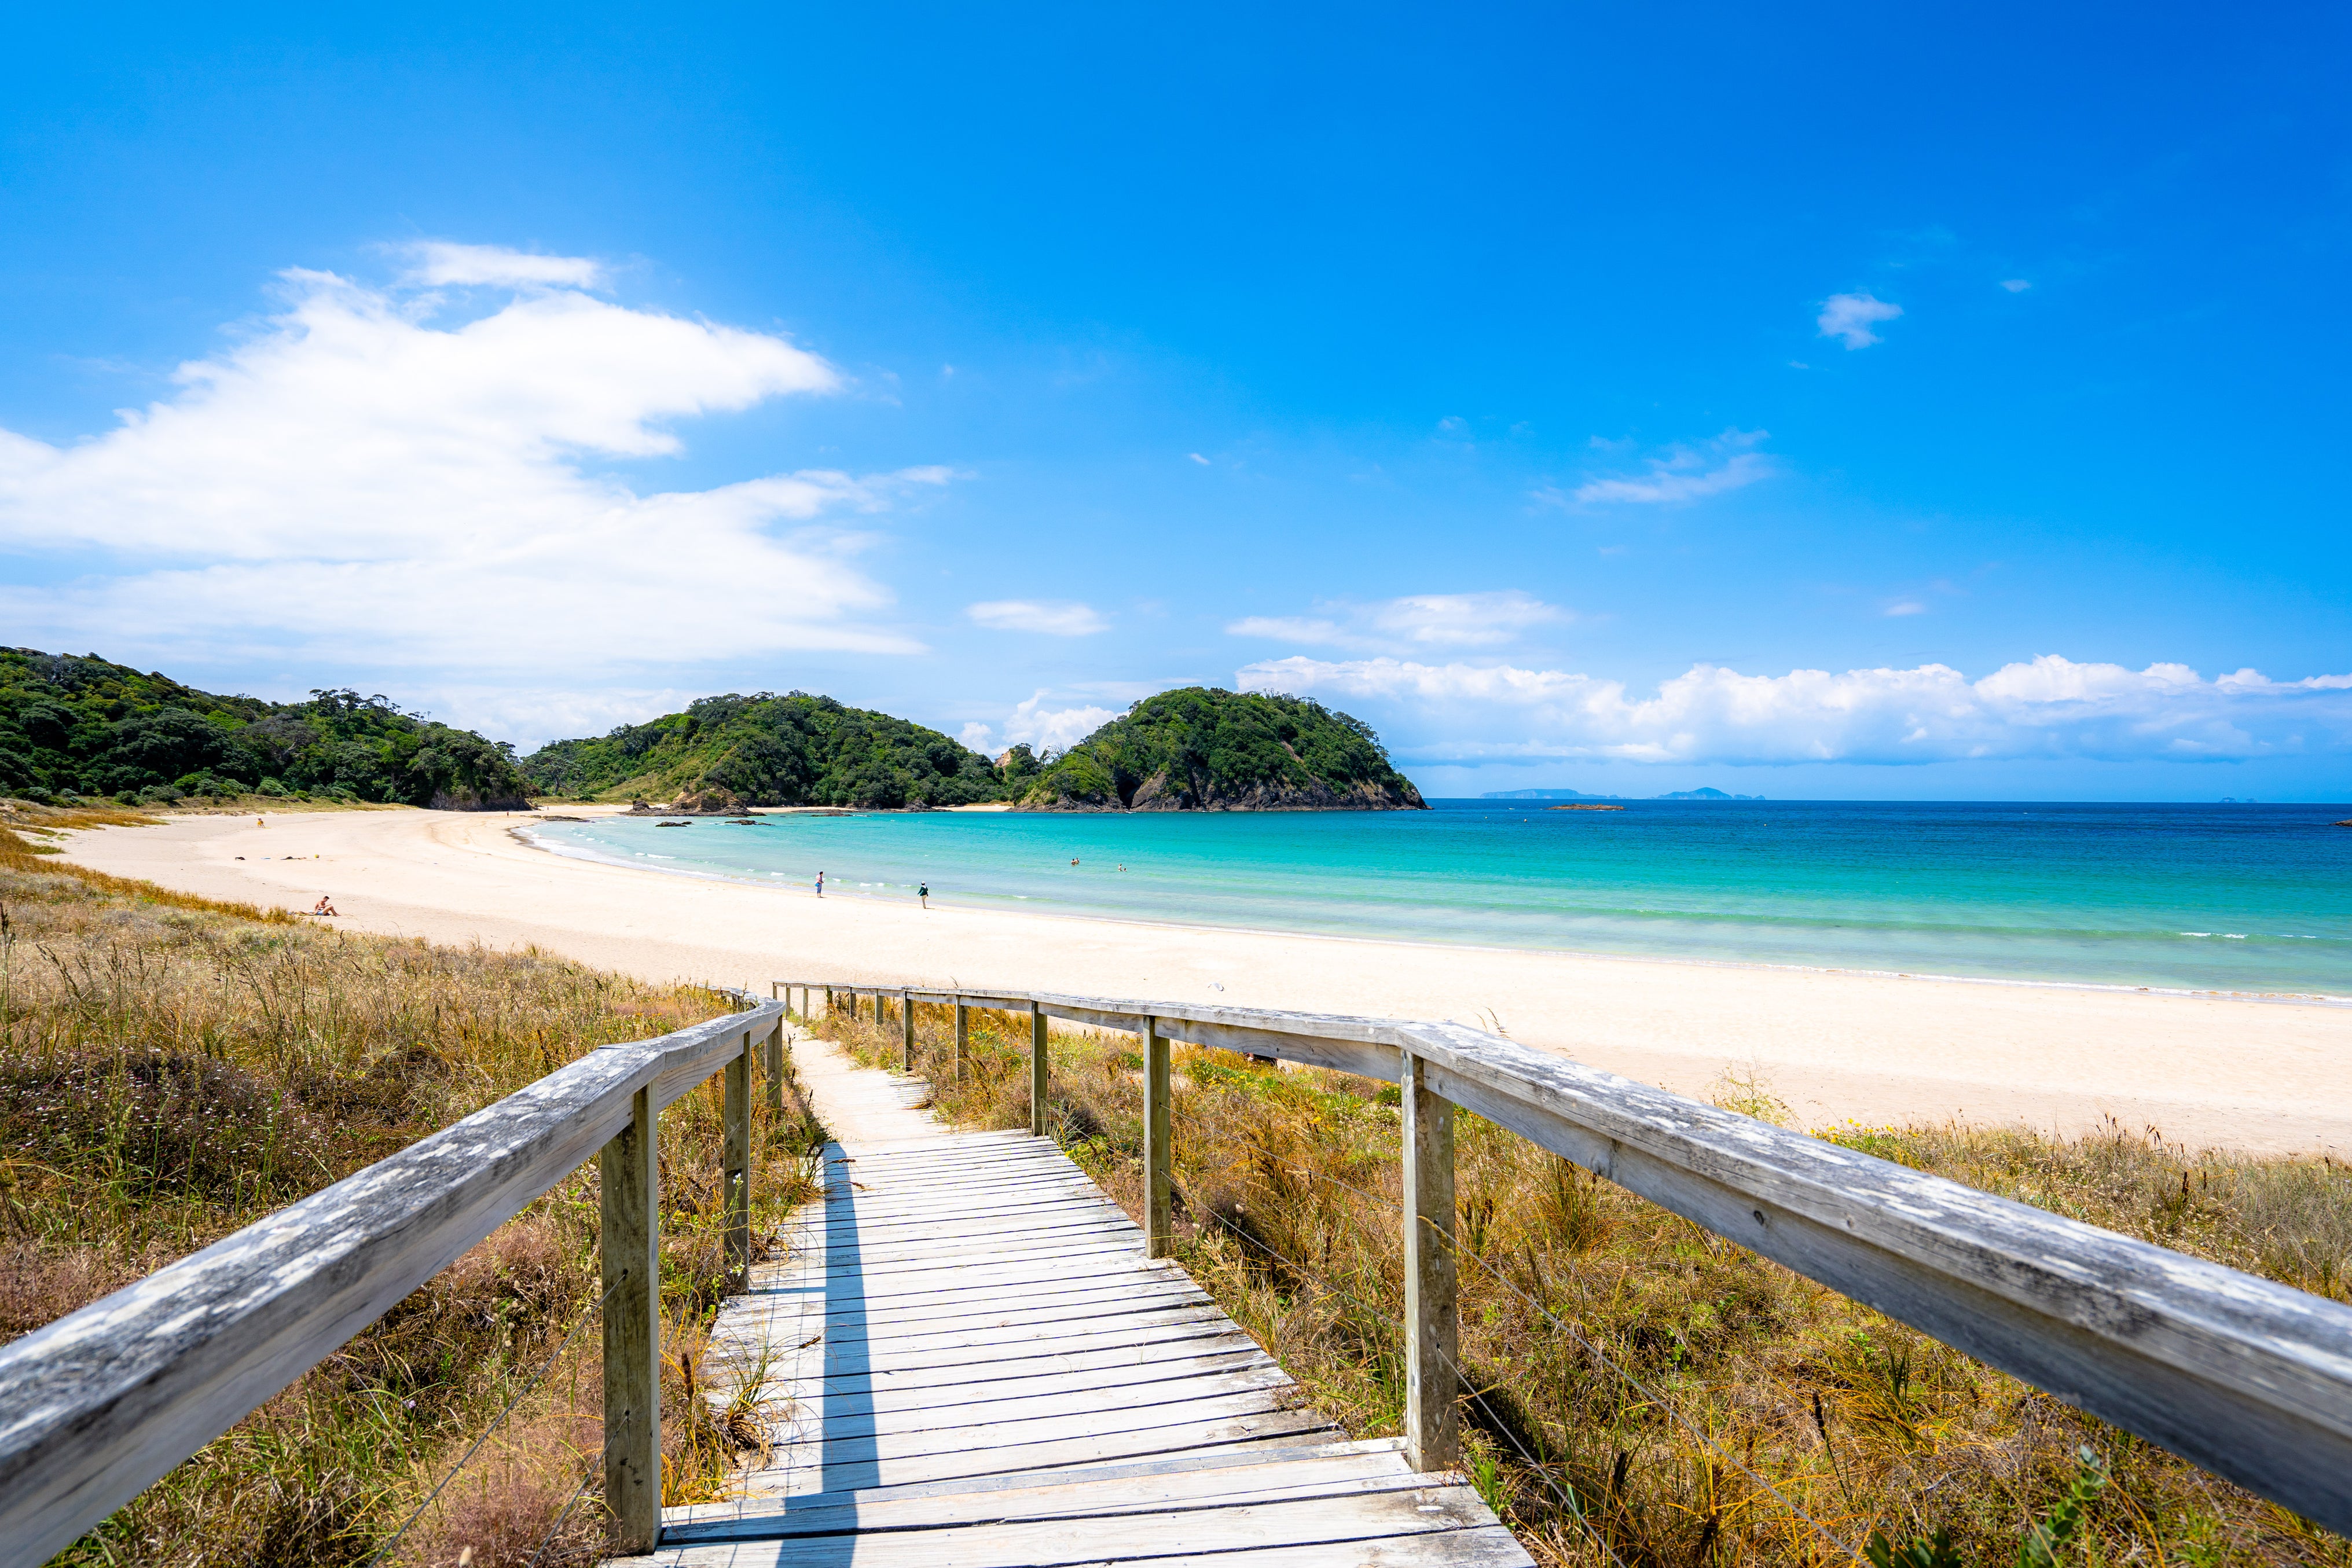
pixel 1645 1393
pixel 173 1069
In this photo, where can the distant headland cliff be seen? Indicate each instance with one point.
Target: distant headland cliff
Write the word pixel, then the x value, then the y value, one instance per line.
pixel 1196 750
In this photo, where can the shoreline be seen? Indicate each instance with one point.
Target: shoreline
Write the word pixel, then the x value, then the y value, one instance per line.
pixel 2258 1074
pixel 522 834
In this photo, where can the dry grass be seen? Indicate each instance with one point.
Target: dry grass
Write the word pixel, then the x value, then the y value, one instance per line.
pixel 173 1069
pixel 1692 1403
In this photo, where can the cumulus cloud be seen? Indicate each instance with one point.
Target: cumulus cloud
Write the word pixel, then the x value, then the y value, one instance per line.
pixel 1423 620
pixel 1682 473
pixel 1054 617
pixel 1041 728
pixel 2016 285
pixel 2049 707
pixel 1849 317
pixel 356 481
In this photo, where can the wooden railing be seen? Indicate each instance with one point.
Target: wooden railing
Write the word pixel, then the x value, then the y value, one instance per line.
pixel 98 1405
pixel 2251 1379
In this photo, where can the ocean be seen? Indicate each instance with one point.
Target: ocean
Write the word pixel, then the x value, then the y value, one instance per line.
pixel 2228 897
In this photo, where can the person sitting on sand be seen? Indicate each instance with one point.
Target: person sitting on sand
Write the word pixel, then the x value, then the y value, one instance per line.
pixel 324 907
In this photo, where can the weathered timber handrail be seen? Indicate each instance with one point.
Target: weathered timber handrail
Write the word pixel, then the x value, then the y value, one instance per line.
pixel 99 1404
pixel 2249 1378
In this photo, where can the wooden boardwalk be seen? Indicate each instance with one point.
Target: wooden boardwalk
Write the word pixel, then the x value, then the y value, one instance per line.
pixel 967 1359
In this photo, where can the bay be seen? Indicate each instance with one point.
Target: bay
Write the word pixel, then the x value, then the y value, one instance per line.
pixel 2222 897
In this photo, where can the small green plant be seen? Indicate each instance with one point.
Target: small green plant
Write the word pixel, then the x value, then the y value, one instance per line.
pixel 2057 1530
pixel 1934 1550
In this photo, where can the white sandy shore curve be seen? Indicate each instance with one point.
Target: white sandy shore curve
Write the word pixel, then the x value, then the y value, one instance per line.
pixel 2262 1076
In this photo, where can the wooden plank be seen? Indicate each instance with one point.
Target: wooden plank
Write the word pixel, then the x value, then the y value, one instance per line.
pixel 1268 1480
pixel 948 1353
pixel 988 1444
pixel 943 1388
pixel 1381 1516
pixel 95 1406
pixel 1166 1438
pixel 918 1316
pixel 1236 1456
pixel 1118 1406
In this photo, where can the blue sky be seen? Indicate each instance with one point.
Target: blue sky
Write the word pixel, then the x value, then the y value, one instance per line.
pixel 1555 388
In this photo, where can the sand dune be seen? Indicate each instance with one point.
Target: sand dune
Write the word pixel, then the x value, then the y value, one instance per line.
pixel 2207 1071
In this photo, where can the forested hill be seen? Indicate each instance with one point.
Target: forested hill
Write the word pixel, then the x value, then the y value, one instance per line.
pixel 1201 749
pixel 769 750
pixel 85 727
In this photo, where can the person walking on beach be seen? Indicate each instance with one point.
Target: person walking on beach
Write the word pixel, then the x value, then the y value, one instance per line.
pixel 923 891
pixel 819 884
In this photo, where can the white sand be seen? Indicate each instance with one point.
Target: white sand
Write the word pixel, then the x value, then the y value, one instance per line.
pixel 2207 1071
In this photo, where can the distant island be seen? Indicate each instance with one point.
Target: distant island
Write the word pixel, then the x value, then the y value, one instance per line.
pixel 81 728
pixel 1199 749
pixel 1703 793
pixel 724 753
pixel 1202 748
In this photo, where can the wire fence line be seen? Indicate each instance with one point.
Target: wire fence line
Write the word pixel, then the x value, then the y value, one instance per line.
pixel 497 1421
pixel 1566 1494
pixel 1591 1346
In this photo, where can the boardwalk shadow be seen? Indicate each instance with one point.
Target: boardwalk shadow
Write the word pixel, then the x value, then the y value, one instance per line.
pixel 848 1459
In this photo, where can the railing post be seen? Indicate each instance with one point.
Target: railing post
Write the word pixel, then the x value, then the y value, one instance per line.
pixel 629 1239
pixel 1036 1072
pixel 828 1002
pixel 1158 1164
pixel 772 1071
pixel 1431 1331
pixel 963 1035
pixel 905 1032
pixel 737 1166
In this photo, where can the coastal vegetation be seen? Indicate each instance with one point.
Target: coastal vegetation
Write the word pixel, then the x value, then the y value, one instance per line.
pixel 728 752
pixel 1201 749
pixel 173 1069
pixel 1643 1393
pixel 73 728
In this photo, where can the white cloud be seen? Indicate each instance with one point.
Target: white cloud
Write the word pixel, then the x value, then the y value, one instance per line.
pixel 1683 473
pixel 1425 620
pixel 2016 285
pixel 1043 728
pixel 2050 707
pixel 438 264
pixel 1054 617
pixel 1848 316
pixel 1198 458
pixel 1906 607
pixel 354 483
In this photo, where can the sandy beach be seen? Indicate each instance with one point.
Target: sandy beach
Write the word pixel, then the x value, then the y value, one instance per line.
pixel 2267 1076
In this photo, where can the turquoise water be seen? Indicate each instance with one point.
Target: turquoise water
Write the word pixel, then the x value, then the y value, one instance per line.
pixel 2254 898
